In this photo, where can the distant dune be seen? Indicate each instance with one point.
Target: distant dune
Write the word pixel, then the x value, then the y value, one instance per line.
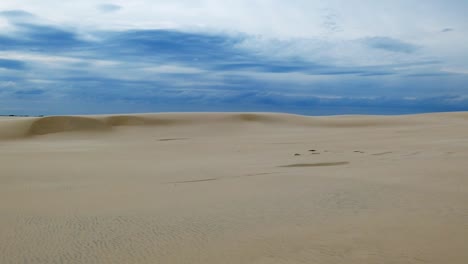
pixel 234 188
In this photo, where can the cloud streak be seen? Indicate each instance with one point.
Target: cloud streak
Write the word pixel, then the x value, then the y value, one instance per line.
pixel 390 44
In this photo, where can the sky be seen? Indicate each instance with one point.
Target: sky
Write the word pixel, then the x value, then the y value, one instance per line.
pixel 298 56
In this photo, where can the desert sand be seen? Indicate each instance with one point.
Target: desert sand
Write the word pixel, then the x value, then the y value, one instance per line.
pixel 234 188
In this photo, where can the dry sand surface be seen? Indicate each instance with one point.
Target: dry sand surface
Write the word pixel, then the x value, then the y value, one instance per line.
pixel 234 188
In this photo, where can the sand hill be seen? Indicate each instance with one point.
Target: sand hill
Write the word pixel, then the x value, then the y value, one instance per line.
pixel 234 188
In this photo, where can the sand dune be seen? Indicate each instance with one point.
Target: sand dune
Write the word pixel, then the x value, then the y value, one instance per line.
pixel 25 127
pixel 234 188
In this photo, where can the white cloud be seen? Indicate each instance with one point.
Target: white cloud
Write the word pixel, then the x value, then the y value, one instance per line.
pixel 295 18
pixel 322 28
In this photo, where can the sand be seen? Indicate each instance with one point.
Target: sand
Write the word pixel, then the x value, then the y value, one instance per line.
pixel 234 188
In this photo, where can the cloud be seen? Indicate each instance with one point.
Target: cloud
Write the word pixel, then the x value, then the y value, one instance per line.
pixel 12 64
pixel 109 8
pixel 204 51
pixel 42 38
pixel 447 30
pixel 166 44
pixel 390 44
pixel 166 70
pixel 16 14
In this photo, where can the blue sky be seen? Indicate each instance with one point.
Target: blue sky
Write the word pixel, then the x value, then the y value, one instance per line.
pixel 298 56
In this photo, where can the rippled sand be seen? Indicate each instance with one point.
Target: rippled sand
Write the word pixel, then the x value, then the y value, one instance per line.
pixel 234 188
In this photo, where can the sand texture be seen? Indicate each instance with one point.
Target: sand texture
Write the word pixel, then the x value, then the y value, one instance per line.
pixel 234 188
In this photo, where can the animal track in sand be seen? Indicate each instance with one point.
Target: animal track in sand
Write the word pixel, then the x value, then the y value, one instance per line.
pixel 320 164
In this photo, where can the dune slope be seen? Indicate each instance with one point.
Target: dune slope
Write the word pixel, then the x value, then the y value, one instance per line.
pixel 234 188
